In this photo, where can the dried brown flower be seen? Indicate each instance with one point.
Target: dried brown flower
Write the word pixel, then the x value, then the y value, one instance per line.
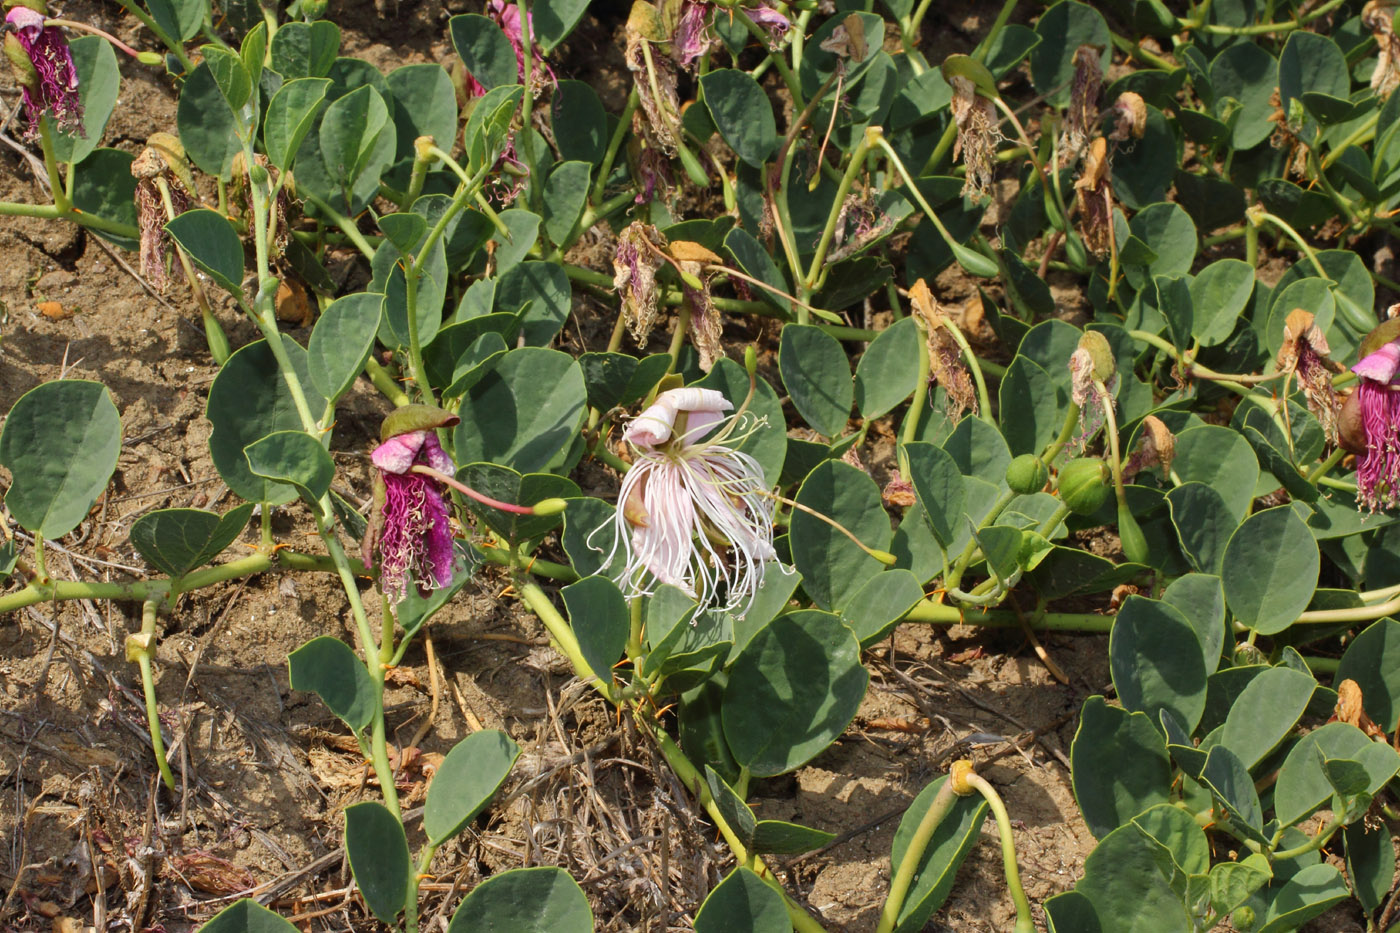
pixel 1129 115
pixel 635 262
pixel 159 166
pixel 1156 448
pixel 1094 188
pixel 705 324
pixel 978 135
pixel 945 355
pixel 1083 112
pixel 1304 353
pixel 1378 17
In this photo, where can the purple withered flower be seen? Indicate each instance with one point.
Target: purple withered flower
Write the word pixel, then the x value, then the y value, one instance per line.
pixel 44 69
pixel 1304 353
pixel 770 19
pixel 1370 421
pixel 414 538
pixel 692 512
pixel 692 38
pixel 635 264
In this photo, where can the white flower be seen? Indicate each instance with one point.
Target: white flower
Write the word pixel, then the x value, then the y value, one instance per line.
pixel 692 512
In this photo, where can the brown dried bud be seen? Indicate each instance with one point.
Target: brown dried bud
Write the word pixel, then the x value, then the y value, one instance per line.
pixel 1304 353
pixel 1129 115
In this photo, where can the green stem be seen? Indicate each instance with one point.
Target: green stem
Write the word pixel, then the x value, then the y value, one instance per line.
pixel 346 225
pixel 425 859
pixel 1321 469
pixel 1260 29
pixel 853 168
pixel 933 613
pixel 385 383
pixel 789 78
pixel 527 98
pixel 910 430
pixel 176 48
pixel 1024 923
pixel 563 636
pixel 624 125
pixel 913 852
pixel 146 641
pixel 1312 845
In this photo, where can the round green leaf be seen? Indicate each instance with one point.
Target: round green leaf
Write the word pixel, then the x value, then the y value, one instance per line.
pixel 213 245
pixel 817 376
pixel 341 342
pixel 1219 294
pixel 1221 459
pixel 1203 524
pixel 1062 30
pixel 425 104
pixel 1270 569
pixel 579 121
pixel 1311 62
pixel 378 852
pixel 525 900
pixel 305 50
pixel 545 285
pixel 208 127
pixel 1247 74
pixel 293 457
pixel 1143 171
pixel 484 49
pixel 834 567
pixel 792 691
pixel 1373 661
pixel 599 616
pixel 1032 407
pixel 176 541
pixel 743 902
pixel 247 916
pixel 329 668
pixel 465 782
pixel 938 483
pixel 103 185
pixel 1119 765
pixel 553 20
pixel 290 116
pixel 1370 863
pixel 1266 711
pixel 60 443
pixel 888 371
pixel 1150 670
pixel 1125 882
pixel 1170 234
pixel 565 194
pixel 950 843
pixel 95 64
pixel 1198 597
pixel 874 610
pixel 1304 896
pixel 1302 783
pixel 248 401
pixel 742 113
pixel 524 413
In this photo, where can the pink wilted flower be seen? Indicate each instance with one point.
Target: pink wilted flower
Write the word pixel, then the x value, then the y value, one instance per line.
pixel 692 38
pixel 693 512
pixel 770 19
pixel 1370 421
pixel 409 525
pixel 44 70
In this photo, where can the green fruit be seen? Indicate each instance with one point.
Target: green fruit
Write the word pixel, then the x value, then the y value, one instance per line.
pixel 1130 534
pixel 1084 485
pixel 1027 474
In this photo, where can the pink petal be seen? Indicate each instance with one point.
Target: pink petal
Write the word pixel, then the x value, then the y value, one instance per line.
pixel 397 454
pixel 1381 365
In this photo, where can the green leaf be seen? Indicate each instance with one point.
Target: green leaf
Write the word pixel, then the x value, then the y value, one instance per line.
pixel 329 668
pixel 1265 712
pixel 1203 524
pixel 1174 301
pixel 778 837
pixel 834 567
pixel 1370 863
pixel 341 342
pixel 743 901
pixel 465 782
pixel 425 104
pixel 1248 75
pixel 545 285
pixel 1201 602
pixel 579 121
pixel 248 401
pixel 1311 62
pixel 1306 895
pixel 888 371
pixel 290 116
pixel 247 916
pixel 208 128
pixel 565 195
pixel 103 186
pixel 293 457
pixel 1270 570
pixel 1032 406
pixel 1229 782
pixel 305 50
pixel 1143 171
pixel 252 51
pixel 524 227
pixel 1119 766
pixel 753 260
pixel 1169 232
pixel 1224 461
pixel 484 49
pixel 1062 30
pixel 792 691
pixel 213 245
pixel 179 18
pixel 817 376
pixel 229 74
pixel 553 20
pixel 176 541
pixel 668 611
pixel 525 900
pixel 524 413
pixel 1302 783
pixel 378 852
pixel 950 843
pixel 349 132
pixel 598 614
pixel 877 607
pixel 99 82
pixel 1150 671
pixel 1124 882
pixel 60 443
pixel 1232 883
pixel 1373 661
pixel 742 113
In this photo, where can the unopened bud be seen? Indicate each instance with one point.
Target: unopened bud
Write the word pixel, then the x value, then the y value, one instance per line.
pixel 750 359
pixel 313 9
pixel 884 557
pixel 1096 345
pixel 422 148
pixel 550 506
pixel 958 774
pixel 150 58
pixel 258 174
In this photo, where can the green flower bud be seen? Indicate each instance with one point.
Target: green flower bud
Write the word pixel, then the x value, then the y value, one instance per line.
pixel 1096 345
pixel 149 58
pixel 1084 485
pixel 550 506
pixel 1027 474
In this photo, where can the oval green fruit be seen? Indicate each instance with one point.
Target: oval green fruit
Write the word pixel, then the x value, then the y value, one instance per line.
pixel 1084 485
pixel 1027 474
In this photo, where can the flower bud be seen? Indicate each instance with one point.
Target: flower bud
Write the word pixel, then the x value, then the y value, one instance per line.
pixel 1100 353
pixel 1027 474
pixel 1084 485
pixel 149 58
pixel 750 360
pixel 550 506
pixel 313 9
pixel 957 776
pixel 1131 536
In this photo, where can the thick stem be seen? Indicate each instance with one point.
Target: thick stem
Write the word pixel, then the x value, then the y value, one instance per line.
pixel 1024 923
pixel 899 885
